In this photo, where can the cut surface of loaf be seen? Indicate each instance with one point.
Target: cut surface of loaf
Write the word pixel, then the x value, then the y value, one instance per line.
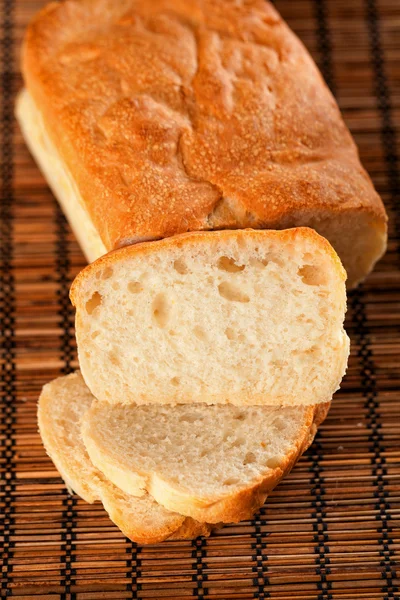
pixel 61 407
pixel 175 116
pixel 213 463
pixel 240 317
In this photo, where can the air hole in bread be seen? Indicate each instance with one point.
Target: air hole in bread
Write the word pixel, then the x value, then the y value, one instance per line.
pixel 228 264
pixel 200 333
pixel 180 266
pixel 237 443
pixel 258 263
pixel 175 381
pixel 95 334
pixel 93 302
pixel 115 285
pixel 172 332
pixel 231 481
pixel 230 333
pixel 114 360
pixel 189 418
pixel 278 261
pixel 232 293
pixel 241 241
pixel 240 417
pixel 134 287
pixel 249 458
pixel 312 350
pixel 312 275
pixel 107 273
pixel 233 335
pixel 279 423
pixel 160 310
pixel 273 462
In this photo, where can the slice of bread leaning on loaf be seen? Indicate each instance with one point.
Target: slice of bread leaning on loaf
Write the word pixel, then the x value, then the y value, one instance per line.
pixel 154 118
pixel 231 317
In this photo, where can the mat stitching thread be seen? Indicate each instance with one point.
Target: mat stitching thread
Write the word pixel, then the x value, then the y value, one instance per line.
pixel 375 438
pixel 199 554
pixel 7 292
pixel 260 568
pixel 133 568
pixel 65 312
pixel 388 131
pixel 320 528
pixel 389 142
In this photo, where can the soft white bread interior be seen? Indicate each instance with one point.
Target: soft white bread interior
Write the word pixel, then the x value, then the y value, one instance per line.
pixel 58 177
pixel 242 317
pixel 61 406
pixel 213 463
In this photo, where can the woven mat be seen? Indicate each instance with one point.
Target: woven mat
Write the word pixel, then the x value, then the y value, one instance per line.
pixel 331 530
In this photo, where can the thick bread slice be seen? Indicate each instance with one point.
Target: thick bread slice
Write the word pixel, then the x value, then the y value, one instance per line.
pixel 213 463
pixel 178 116
pixel 242 317
pixel 61 406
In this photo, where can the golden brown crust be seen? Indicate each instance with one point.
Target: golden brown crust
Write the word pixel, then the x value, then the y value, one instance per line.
pixel 193 238
pixel 192 529
pixel 188 528
pixel 176 116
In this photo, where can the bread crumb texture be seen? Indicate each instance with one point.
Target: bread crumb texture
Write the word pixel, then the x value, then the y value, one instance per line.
pixel 213 463
pixel 62 404
pixel 241 317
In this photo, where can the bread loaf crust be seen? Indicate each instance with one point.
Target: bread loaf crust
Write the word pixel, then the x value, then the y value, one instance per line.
pixel 180 116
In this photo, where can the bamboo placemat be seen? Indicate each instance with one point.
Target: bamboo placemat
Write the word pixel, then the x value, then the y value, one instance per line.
pixel 331 530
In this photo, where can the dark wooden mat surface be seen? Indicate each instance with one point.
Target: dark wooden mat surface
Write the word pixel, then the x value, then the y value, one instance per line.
pixel 331 530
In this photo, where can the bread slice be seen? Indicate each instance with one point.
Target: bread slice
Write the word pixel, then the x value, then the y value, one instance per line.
pixel 233 317
pixel 213 463
pixel 176 116
pixel 61 406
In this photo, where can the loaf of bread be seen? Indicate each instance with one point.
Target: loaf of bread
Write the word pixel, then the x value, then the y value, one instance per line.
pixel 213 463
pixel 153 118
pixel 242 317
pixel 62 404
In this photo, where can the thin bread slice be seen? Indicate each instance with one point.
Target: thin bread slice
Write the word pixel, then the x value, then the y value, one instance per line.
pixel 213 463
pixel 61 406
pixel 241 317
